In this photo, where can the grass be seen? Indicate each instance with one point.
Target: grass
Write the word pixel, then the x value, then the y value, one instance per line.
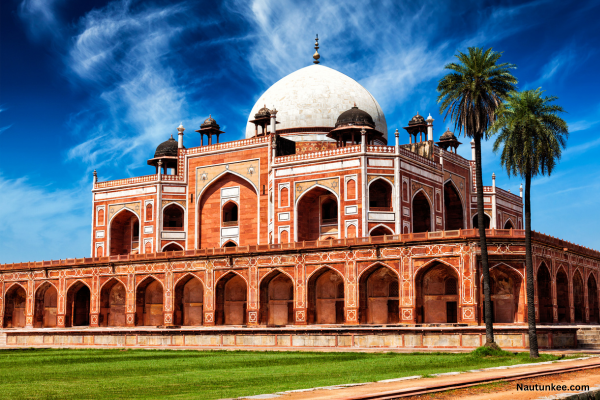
pixel 154 374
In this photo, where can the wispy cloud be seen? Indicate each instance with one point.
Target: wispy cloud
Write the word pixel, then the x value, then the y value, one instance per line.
pixel 558 66
pixel 40 17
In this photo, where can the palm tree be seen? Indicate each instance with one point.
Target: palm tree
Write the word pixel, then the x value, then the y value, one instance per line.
pixel 532 138
pixel 471 94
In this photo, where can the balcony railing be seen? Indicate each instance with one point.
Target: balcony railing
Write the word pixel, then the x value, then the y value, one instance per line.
pixel 404 238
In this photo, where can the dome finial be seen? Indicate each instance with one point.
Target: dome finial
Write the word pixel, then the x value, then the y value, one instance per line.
pixel 316 56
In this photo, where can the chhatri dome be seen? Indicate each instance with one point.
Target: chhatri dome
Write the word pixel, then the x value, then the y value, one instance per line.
pixel 314 97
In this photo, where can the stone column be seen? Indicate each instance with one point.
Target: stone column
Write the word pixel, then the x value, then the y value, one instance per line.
pixel 300 297
pixel 168 297
pixel 30 303
pixel 130 301
pixel 62 300
pixel 95 299
pixel 351 294
pixel 209 298
pixel 253 296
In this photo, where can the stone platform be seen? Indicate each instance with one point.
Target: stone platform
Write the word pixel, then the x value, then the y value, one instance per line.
pixel 302 338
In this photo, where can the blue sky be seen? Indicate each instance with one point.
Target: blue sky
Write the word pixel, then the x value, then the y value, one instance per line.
pixel 98 85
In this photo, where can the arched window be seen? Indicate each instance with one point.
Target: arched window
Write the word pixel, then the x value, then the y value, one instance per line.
pixel 486 218
pixel 100 220
pixel 284 197
pixel 405 191
pixel 351 231
pixel 230 214
pixel 380 196
pixel 453 209
pixel 351 189
pixel 421 213
pixel 284 237
pixel 508 225
pixel 149 215
pixel 329 211
pixel 173 218
pixel 230 243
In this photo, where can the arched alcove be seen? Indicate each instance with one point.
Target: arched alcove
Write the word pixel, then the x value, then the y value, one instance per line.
pixel 46 300
pixel 351 189
pixel 15 305
pixel 378 296
pixel 437 294
pixel 380 195
pixel 476 221
pixel 149 303
pixel 381 231
pixel 231 300
pixel 593 299
pixel 189 302
pixel 421 210
pixel 544 292
pixel 124 233
pixel 505 294
pixel 578 299
pixel 230 214
pixel 562 296
pixel 453 208
pixel 326 297
pixel 317 213
pixel 276 299
pixel 78 305
pixel 113 298
pixel 173 216
pixel 508 224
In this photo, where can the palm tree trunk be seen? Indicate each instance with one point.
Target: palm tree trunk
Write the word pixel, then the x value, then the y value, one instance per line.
pixel 533 344
pixel 489 329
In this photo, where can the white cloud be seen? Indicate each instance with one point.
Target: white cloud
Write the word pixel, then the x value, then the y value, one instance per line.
pixel 40 16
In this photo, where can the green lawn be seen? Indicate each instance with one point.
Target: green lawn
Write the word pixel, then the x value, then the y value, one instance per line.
pixel 159 374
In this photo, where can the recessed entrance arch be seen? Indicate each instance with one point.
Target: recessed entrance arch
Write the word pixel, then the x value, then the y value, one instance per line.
pixel 437 294
pixel 78 305
pixel 453 208
pixel 113 298
pixel 189 301
pixel 592 299
pixel 378 296
pixel 421 212
pixel 45 312
pixel 562 296
pixel 173 216
pixel 276 299
pixel 316 214
pixel 578 297
pixel 544 293
pixel 15 303
pixel 381 230
pixel 505 294
pixel 124 233
pixel 231 300
pixel 326 297
pixel 380 195
pixel 149 303
pixel 486 218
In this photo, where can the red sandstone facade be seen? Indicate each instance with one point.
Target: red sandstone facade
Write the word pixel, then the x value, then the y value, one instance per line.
pixel 335 233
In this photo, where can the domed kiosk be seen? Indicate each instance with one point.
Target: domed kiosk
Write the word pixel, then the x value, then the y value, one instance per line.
pixel 310 100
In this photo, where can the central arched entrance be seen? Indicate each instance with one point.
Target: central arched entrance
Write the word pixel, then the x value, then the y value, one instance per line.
pixel 276 299
pixel 124 233
pixel 378 296
pixel 112 304
pixel 437 294
pixel 317 214
pixel 78 305
pixel 46 298
pixel 231 300
pixel 421 210
pixel 544 292
pixel 149 303
pixel 453 208
pixel 189 301
pixel 326 297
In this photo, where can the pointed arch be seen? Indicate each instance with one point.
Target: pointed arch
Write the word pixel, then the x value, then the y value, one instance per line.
pixel 216 178
pixel 231 291
pixel 544 293
pixel 437 293
pixel 326 289
pixel 379 300
pixel 172 246
pixel 276 294
pixel 380 230
pixel 78 304
pixel 149 301
pixel 562 295
pixel 381 194
pixel 309 227
pixel 230 243
pixel 113 298
pixel 454 207
pixel 486 217
pixel 15 306
pixel 422 217
pixel 175 219
pixel 506 294
pixel 122 235
pixel 508 224
pixel 578 296
pixel 592 288
pixel 45 305
pixel 434 261
pixel 189 301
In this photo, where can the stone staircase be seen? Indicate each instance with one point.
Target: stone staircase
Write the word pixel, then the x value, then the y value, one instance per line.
pixel 588 338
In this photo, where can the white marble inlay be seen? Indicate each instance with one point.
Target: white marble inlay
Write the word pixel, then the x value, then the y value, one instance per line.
pixel 379 216
pixel 318 168
pixel 285 216
pixel 99 234
pixel 148 229
pixel 173 235
pixel 351 210
pixel 173 189
pixel 377 162
pixel 233 231
pixel 123 193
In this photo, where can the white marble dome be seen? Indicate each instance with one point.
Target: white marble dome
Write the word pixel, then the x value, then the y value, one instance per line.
pixel 316 96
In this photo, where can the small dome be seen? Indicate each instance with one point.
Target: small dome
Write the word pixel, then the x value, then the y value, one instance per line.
pixel 263 112
pixel 167 149
pixel 355 116
pixel 417 119
pixel 210 123
pixel 448 135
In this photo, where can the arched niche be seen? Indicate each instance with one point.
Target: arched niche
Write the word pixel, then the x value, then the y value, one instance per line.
pixel 486 218
pixel 149 303
pixel 380 195
pixel 453 208
pixel 113 297
pixel 231 300
pixel 172 247
pixel 378 296
pixel 173 216
pixel 46 300
pixel 505 294
pixel 189 301
pixel 437 294
pixel 562 296
pixel 78 305
pixel 124 233
pixel 15 307
pixel 229 214
pixel 421 210
pixel 326 297
pixel 381 230
pixel 578 298
pixel 317 214
pixel 276 299
pixel 508 224
pixel 544 292
pixel 593 299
